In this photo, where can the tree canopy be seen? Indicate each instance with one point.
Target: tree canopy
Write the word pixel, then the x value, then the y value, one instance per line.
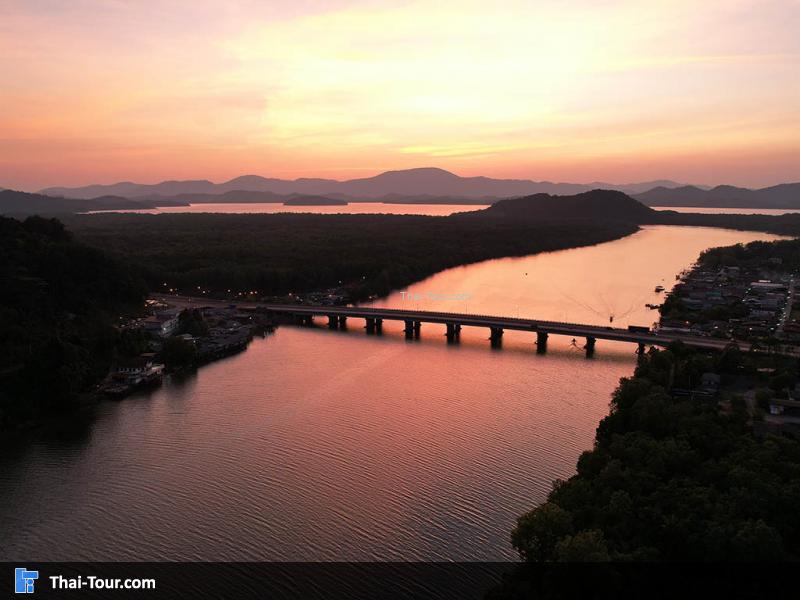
pixel 671 478
pixel 60 299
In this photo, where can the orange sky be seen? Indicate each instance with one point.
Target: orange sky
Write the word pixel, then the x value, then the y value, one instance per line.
pixel 567 90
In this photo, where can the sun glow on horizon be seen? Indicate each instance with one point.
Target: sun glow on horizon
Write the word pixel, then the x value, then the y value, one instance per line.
pixel 610 90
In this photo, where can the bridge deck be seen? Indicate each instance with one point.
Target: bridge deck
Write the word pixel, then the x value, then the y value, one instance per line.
pixel 597 332
pixel 466 319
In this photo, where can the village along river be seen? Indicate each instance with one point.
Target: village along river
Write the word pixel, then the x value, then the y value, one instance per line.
pixel 338 445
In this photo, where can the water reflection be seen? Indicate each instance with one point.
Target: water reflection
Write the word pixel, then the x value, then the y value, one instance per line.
pixel 339 445
pixel 354 208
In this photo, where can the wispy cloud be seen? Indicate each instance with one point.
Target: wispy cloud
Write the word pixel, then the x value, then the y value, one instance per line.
pixel 282 88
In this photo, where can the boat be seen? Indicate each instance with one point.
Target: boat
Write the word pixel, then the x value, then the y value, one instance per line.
pixel 659 289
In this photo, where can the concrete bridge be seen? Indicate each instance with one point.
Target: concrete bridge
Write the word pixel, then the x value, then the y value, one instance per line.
pixel 337 317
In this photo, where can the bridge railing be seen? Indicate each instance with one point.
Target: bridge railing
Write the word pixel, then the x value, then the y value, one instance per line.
pixel 610 333
pixel 422 314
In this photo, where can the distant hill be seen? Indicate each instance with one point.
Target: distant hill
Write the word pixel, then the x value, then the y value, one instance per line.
pixel 23 203
pixel 234 196
pixel 600 205
pixel 314 201
pixel 639 188
pixel 409 183
pixel 244 196
pixel 786 195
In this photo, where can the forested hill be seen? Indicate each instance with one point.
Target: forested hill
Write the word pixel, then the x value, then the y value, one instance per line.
pixel 608 205
pixel 22 203
pixel 596 204
pixel 280 253
pixel 788 224
pixel 59 300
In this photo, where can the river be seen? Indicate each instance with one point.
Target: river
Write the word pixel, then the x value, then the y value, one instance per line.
pixel 337 445
pixel 353 208
pixel 729 211
pixel 436 210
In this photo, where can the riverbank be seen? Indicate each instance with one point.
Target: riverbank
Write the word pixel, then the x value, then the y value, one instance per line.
pixel 230 256
pixel 270 255
pixel 689 465
pixel 676 474
pixel 181 338
pixel 406 450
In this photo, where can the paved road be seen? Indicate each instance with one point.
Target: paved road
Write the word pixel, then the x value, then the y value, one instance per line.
pixel 489 321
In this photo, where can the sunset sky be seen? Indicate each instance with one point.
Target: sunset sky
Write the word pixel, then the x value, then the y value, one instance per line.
pixel 98 91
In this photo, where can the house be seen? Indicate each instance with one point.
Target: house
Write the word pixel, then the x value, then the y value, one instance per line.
pixel 765 285
pixel 140 369
pixel 162 324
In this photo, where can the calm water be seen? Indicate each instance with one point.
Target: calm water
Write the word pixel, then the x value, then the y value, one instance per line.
pixel 396 209
pixel 335 445
pixel 729 211
pixel 352 208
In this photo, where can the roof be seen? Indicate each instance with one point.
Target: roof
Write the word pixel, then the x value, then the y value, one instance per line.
pixel 138 362
pixel 785 402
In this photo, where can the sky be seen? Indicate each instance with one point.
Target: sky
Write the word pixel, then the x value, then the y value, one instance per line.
pixel 100 91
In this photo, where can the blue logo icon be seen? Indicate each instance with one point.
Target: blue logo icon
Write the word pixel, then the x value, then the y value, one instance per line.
pixel 23 580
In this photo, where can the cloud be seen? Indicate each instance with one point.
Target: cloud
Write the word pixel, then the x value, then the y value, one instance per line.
pixel 339 85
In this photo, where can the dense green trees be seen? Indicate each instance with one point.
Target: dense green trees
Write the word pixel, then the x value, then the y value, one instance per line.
pixel 178 352
pixel 191 321
pixel 60 299
pixel 62 296
pixel 671 478
pixel 280 253
pixel 788 224
pixel 786 253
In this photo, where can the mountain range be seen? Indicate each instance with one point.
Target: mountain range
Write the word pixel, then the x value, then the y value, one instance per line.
pixel 424 185
pixel 785 195
pixel 410 183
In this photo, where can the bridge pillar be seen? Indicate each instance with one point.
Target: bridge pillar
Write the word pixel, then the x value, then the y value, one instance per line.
pixel 541 342
pixel 417 328
pixel 342 322
pixel 453 331
pixel 370 326
pixel 641 349
pixel 379 326
pixel 496 336
pixel 409 329
pixel 590 342
pixel 333 322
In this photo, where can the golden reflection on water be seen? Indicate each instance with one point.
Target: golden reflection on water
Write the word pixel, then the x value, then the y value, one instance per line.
pixel 338 445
